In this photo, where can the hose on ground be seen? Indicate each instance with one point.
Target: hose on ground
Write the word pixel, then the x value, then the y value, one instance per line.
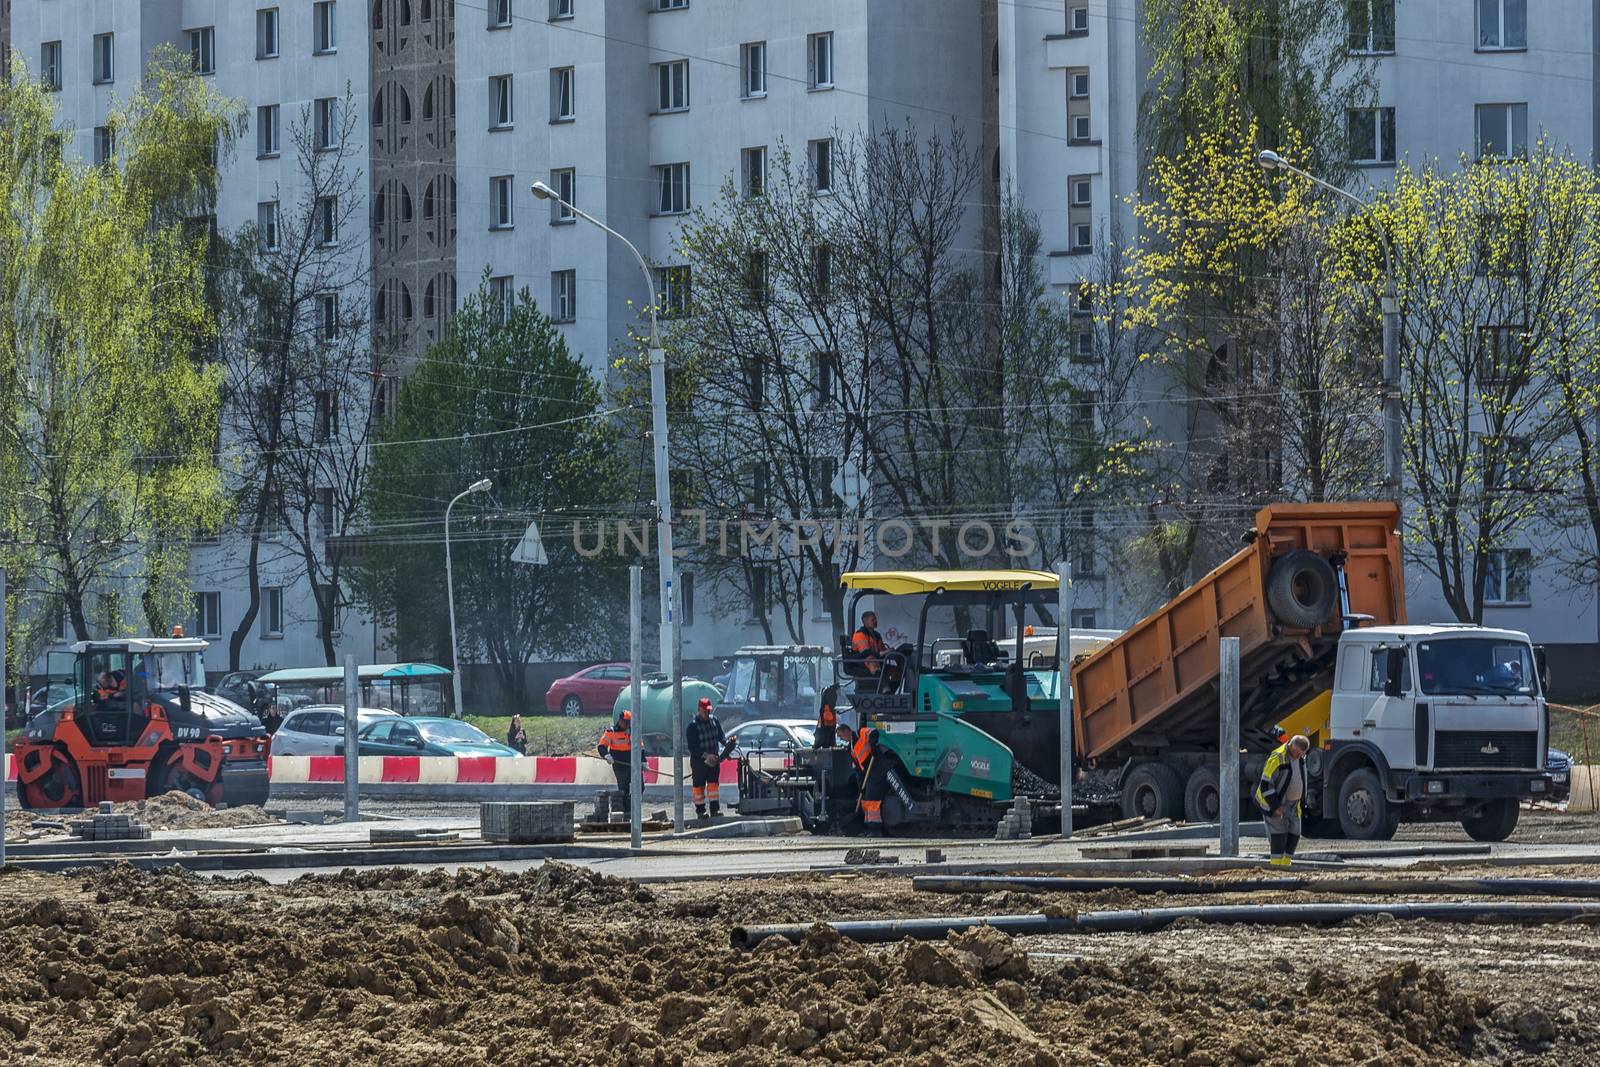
pixel 1433 887
pixel 1148 920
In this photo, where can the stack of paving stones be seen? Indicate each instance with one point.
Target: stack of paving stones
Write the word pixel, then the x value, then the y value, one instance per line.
pixel 1017 825
pixel 106 825
pixel 536 822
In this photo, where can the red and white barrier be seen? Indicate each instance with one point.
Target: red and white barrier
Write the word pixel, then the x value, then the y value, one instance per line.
pixel 474 770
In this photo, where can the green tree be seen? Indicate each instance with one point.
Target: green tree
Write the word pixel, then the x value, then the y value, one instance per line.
pixel 108 406
pixel 499 396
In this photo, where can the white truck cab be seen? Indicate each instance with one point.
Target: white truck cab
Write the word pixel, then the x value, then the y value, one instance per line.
pixel 1440 721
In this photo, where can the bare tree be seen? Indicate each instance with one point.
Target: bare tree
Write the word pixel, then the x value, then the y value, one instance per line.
pixel 303 368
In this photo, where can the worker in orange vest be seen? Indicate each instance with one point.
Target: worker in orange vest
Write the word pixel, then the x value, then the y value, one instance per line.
pixel 827 734
pixel 616 744
pixel 874 768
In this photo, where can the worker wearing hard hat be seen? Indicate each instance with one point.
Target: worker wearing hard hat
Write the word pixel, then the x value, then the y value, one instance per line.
pixel 617 745
pixel 707 747
pixel 1283 786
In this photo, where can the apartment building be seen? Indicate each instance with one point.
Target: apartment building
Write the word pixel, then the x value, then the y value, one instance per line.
pixel 639 110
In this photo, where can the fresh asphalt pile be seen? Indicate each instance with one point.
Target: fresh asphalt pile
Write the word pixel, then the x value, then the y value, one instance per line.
pixel 565 966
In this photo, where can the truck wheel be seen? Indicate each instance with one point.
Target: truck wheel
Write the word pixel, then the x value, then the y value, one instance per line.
pixel 1152 791
pixel 1301 589
pixel 1364 811
pixel 1495 822
pixel 1202 797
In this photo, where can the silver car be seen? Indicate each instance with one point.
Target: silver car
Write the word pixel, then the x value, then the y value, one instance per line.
pixel 316 730
pixel 772 737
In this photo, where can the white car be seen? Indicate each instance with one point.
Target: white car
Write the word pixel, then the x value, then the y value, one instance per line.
pixel 317 729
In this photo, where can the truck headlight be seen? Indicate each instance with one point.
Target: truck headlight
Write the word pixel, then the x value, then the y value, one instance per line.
pixel 1536 786
pixel 1435 787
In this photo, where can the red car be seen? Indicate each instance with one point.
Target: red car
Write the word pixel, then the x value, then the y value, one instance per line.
pixel 593 690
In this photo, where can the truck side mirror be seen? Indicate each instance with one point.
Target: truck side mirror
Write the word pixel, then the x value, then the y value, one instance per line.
pixel 1541 661
pixel 1394 670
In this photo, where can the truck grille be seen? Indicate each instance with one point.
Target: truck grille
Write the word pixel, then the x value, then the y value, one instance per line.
pixel 1486 748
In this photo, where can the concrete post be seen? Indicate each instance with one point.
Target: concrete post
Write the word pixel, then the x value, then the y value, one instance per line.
pixel 352 747
pixel 677 712
pixel 1064 663
pixel 636 732
pixel 1228 750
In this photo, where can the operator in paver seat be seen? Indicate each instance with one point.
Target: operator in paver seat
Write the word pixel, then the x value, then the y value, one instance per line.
pixel 617 743
pixel 707 742
pixel 874 778
pixel 1283 785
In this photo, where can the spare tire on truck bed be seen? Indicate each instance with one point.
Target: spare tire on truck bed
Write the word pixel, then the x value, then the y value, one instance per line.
pixel 1302 589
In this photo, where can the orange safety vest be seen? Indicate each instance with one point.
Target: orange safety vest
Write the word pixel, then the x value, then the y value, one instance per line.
pixel 861 752
pixel 616 740
pixel 828 717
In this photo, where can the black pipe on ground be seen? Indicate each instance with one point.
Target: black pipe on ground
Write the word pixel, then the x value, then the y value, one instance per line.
pixel 1433 887
pixel 1148 920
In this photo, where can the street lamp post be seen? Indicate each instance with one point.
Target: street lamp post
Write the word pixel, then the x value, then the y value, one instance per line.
pixel 1270 160
pixel 479 486
pixel 658 403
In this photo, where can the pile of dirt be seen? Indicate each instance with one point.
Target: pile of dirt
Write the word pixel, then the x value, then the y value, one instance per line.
pixel 562 966
pixel 180 811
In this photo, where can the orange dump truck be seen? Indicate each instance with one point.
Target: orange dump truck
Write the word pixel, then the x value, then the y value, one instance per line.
pixel 1438 722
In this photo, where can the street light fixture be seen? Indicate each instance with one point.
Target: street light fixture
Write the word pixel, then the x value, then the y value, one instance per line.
pixel 1270 160
pixel 658 403
pixel 482 485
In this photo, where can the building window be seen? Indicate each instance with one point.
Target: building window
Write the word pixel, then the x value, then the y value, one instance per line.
pixel 819 60
pixel 272 611
pixel 564 295
pixel 686 598
pixel 753 171
pixel 501 291
pixel 267 33
pixel 1502 130
pixel 672 290
pixel 327 220
pixel 1502 24
pixel 203 50
pixel 565 183
pixel 671 5
pixel 823 365
pixel 672 86
pixel 1083 554
pixel 1084 619
pixel 334 623
pixel 820 155
pixel 327 421
pixel 1371 133
pixel 1370 26
pixel 327 317
pixel 673 181
pixel 1082 237
pixel 1078 19
pixel 500 14
pixel 208 614
pixel 325 123
pixel 1080 85
pixel 50 65
pixel 757 279
pixel 1505 579
pixel 561 9
pixel 1080 127
pixel 105 145
pixel 500 203
pixel 266 131
pixel 267 226
pixel 104 54
pixel 562 106
pixel 500 113
pixel 822 269
pixel 1081 192
pixel 325 27
pixel 753 69
pixel 1083 346
pixel 1501 359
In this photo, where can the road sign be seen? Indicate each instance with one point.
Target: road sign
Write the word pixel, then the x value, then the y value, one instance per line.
pixel 530 549
pixel 847 485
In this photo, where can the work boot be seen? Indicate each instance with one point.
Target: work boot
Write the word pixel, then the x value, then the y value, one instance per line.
pixel 716 809
pixel 1279 861
pixel 700 812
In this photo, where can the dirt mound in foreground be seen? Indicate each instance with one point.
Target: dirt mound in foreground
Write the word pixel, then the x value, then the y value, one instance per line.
pixel 562 966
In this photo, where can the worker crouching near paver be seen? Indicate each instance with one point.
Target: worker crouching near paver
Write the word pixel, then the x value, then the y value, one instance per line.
pixel 617 745
pixel 1283 786
pixel 707 747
